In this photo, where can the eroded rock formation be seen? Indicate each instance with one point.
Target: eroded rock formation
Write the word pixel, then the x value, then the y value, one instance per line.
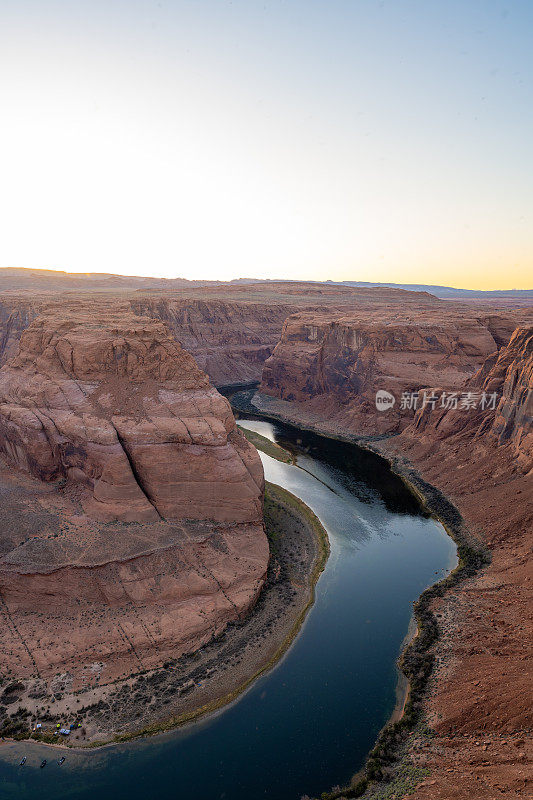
pixel 15 316
pixel 132 522
pixel 508 375
pixel 230 340
pixel 480 700
pixel 334 363
pixel 230 329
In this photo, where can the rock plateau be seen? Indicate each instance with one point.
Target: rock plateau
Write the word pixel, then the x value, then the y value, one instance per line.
pixel 132 506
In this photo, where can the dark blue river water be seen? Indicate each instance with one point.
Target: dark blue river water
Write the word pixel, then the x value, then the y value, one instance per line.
pixel 308 723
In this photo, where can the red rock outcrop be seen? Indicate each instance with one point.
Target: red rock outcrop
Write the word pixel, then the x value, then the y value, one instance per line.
pixel 230 329
pixel 230 340
pixel 512 378
pixel 334 363
pixel 480 705
pixel 15 316
pixel 508 377
pixel 143 501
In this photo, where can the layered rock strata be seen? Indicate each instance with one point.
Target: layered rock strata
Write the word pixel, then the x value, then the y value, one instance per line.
pixel 333 364
pixel 232 329
pixel 480 699
pixel 230 340
pixel 133 506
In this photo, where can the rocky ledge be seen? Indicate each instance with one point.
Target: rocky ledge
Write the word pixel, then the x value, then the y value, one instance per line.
pixel 132 523
pixel 331 364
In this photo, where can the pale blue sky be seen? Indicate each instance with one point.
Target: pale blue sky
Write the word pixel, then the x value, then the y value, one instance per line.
pixel 346 140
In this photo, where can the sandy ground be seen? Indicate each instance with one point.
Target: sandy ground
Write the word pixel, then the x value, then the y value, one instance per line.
pixel 160 699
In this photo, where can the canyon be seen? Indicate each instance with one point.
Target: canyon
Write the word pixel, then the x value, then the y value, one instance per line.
pixel 229 329
pixel 232 329
pixel 330 366
pixel 324 374
pixel 132 507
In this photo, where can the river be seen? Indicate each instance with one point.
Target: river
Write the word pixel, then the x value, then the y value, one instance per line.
pixel 309 722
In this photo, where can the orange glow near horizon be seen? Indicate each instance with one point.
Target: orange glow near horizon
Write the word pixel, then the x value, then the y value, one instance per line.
pixel 341 141
pixel 406 277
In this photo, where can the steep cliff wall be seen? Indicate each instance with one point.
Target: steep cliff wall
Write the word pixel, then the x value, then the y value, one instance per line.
pixel 230 340
pixel 15 316
pixel 512 378
pixel 508 421
pixel 483 461
pixel 334 363
pixel 132 525
pixel 232 330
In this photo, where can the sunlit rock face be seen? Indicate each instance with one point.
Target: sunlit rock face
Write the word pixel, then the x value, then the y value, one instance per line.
pixel 149 499
pixel 114 402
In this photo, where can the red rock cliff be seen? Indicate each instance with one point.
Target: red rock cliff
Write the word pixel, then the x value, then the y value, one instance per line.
pixel 480 700
pixel 229 339
pixel 508 375
pixel 334 363
pixel 15 316
pixel 132 520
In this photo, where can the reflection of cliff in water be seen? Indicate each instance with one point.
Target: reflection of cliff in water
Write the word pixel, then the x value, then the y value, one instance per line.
pixel 317 714
pixel 360 471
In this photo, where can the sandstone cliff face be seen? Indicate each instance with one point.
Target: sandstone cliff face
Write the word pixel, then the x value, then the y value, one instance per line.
pixel 508 375
pixel 15 316
pixel 143 501
pixel 230 340
pixel 230 329
pixel 335 363
pixel 483 461
pixel 114 402
pixel 513 420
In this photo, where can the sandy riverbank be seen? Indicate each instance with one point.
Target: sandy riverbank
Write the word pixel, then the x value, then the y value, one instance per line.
pixel 196 684
pixel 470 735
pixel 266 446
pixel 394 767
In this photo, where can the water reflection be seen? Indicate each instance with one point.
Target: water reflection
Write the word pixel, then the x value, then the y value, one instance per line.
pixel 309 723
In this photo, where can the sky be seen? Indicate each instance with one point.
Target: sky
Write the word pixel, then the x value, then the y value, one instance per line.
pixel 314 139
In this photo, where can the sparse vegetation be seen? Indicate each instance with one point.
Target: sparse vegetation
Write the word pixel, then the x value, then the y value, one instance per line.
pixel 266 446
